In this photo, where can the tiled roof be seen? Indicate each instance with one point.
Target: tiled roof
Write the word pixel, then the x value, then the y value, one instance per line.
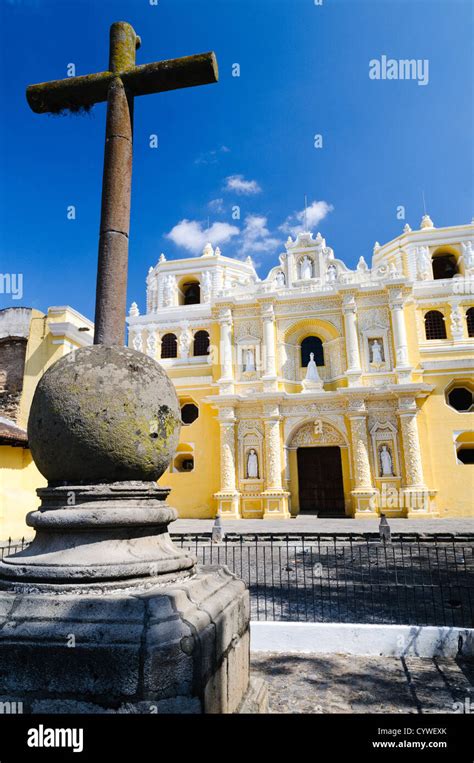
pixel 11 434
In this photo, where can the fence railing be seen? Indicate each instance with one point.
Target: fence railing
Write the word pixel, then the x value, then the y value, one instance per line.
pixel 415 580
pixel 337 577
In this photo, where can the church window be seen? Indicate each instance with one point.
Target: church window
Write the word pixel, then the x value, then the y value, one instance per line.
pixel 191 293
pixel 434 325
pixel 444 265
pixel 189 413
pixel 460 398
pixel 309 345
pixel 169 346
pixel 470 321
pixel 201 343
pixel 466 454
pixel 184 462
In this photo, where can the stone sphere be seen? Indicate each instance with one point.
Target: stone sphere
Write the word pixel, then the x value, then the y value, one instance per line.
pixel 104 414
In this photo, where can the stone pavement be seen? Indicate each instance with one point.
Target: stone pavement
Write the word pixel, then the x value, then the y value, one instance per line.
pixel 312 524
pixel 317 683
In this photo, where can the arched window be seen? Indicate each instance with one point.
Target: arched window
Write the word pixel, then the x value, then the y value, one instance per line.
pixel 312 344
pixel 434 325
pixel 169 346
pixel 201 343
pixel 191 293
pixel 444 266
pixel 470 321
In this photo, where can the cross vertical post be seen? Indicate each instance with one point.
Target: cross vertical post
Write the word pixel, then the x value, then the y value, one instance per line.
pixel 111 291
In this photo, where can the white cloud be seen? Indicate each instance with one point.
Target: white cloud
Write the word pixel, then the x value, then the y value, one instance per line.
pixel 211 157
pixel 255 236
pixel 240 185
pixel 316 212
pixel 192 236
pixel 216 205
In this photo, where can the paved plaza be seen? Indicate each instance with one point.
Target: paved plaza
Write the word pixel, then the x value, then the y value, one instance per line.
pixel 332 683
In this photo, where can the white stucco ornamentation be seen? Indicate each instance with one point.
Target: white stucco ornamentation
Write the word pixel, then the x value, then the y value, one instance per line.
pixel 380 367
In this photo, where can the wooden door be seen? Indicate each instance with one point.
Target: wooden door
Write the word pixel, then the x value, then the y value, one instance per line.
pixel 320 480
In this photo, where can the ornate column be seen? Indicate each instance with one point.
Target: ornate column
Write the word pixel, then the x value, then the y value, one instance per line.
pixel 364 495
pixel 416 495
pixel 226 382
pixel 275 497
pixel 270 376
pixel 402 364
pixel 228 496
pixel 349 309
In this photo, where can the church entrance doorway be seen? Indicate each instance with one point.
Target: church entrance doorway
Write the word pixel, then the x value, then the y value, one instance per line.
pixel 320 483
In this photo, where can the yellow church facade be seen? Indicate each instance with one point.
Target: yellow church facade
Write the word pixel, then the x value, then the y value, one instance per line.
pixel 30 341
pixel 320 389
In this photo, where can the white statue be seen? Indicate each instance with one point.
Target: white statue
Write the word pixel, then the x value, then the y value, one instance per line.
pixel 376 350
pixel 312 370
pixel 306 268
pixel 386 462
pixel 423 263
pixel 468 255
pixel 362 266
pixel 206 286
pixel 169 289
pixel 249 359
pixel 162 258
pixel 252 465
pixel 331 272
pixel 280 279
pixel 134 311
pixel 184 342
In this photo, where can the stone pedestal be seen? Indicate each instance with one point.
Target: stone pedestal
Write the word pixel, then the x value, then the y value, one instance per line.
pixel 102 613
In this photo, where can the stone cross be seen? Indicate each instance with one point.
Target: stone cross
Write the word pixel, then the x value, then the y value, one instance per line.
pixel 118 86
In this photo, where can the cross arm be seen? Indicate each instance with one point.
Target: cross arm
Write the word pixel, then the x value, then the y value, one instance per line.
pixel 159 77
pixel 75 93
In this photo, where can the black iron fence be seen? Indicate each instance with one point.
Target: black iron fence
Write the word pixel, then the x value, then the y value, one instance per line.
pixel 349 578
pixel 418 580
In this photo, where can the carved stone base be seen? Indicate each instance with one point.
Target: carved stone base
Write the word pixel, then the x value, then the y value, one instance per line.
pixel 275 504
pixel 270 383
pixel 364 502
pixel 311 386
pixel 105 534
pixel 228 504
pixel 181 647
pixel 354 378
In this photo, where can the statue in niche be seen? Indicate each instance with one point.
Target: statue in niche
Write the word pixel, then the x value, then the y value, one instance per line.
pixel 249 359
pixel 386 463
pixel 376 352
pixel 306 268
pixel 331 273
pixel 280 279
pixel 252 464
pixel 312 374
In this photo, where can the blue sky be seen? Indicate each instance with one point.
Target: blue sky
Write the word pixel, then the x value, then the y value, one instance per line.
pixel 246 141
